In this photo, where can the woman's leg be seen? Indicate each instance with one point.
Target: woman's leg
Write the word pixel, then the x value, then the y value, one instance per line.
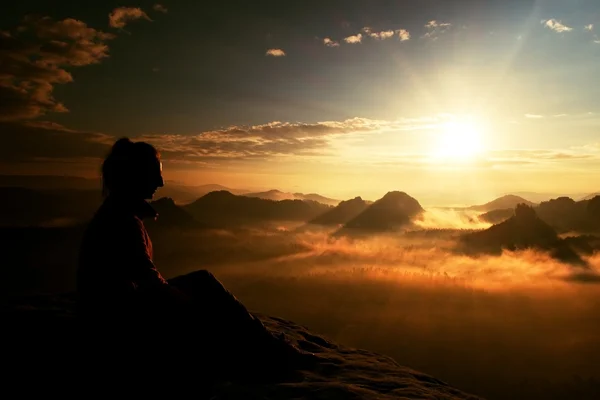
pixel 234 333
pixel 215 303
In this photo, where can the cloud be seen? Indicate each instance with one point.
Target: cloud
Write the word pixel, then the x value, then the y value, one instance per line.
pixel 121 16
pixel 589 27
pixel 403 34
pixel 275 53
pixel 354 39
pixel 160 8
pixel 534 116
pixel 543 155
pixel 378 35
pixel 33 141
pixel 556 26
pixel 267 140
pixel 37 57
pixel 435 28
pixel 330 43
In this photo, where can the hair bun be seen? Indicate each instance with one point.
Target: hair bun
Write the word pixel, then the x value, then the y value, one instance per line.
pixel 122 146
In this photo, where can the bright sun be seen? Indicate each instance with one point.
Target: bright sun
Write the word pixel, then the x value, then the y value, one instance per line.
pixel 458 141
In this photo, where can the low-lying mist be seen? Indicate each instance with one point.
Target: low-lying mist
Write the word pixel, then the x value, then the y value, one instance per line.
pixel 518 325
pixel 437 218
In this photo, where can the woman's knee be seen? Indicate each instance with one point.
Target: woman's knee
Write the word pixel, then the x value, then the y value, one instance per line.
pixel 203 275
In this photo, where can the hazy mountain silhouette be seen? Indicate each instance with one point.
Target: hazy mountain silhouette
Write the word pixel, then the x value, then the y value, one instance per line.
pixel 185 194
pixel 278 195
pixel 48 207
pixel 341 372
pixel 223 207
pixel 522 231
pixel 539 197
pixel 392 211
pixel 50 182
pixel 342 213
pixel 565 214
pixel 504 202
pixel 589 196
pixel 172 216
pixel 318 198
pixel 497 216
pixel 593 208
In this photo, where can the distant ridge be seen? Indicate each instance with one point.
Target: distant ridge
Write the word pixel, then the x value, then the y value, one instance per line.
pixel 171 215
pixel 50 182
pixel 278 195
pixel 590 196
pixel 504 202
pixel 342 213
pixel 223 207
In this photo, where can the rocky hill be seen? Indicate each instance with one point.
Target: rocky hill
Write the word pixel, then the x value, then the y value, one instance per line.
pixel 392 211
pixel 524 230
pixel 341 372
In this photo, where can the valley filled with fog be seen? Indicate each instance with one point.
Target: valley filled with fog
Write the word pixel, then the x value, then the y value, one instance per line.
pixel 494 302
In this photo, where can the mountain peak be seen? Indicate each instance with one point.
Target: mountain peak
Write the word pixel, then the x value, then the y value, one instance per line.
pixel 392 211
pixel 395 194
pixel 503 202
pixel 524 229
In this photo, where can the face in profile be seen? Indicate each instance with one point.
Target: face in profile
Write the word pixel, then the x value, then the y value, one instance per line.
pixel 152 179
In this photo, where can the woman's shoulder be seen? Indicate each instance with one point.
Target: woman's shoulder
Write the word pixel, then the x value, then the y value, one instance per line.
pixel 115 224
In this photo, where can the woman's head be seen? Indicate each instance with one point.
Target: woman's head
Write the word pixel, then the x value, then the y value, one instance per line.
pixel 132 169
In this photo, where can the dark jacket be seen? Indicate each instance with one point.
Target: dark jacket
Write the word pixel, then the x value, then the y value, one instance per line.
pixel 116 257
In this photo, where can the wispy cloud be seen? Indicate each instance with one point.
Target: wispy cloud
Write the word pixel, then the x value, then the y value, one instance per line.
pixel 272 139
pixel 330 43
pixel 403 34
pixel 121 16
pixel 435 28
pixel 378 35
pixel 354 39
pixel 556 26
pixel 534 116
pixel 589 27
pixel 275 53
pixel 539 155
pixel 160 8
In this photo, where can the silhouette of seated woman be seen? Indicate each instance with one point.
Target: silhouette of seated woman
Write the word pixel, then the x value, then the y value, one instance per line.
pixel 119 285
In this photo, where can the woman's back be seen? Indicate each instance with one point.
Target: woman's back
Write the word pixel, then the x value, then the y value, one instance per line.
pixel 116 255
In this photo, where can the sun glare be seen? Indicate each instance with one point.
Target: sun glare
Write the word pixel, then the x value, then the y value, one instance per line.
pixel 459 140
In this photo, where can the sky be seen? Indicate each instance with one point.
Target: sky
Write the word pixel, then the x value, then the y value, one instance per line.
pixel 453 101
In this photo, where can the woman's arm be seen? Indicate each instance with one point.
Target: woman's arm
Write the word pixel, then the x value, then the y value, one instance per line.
pixel 136 256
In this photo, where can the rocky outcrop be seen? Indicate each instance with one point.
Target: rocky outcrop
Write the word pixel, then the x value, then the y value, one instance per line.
pixel 342 372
